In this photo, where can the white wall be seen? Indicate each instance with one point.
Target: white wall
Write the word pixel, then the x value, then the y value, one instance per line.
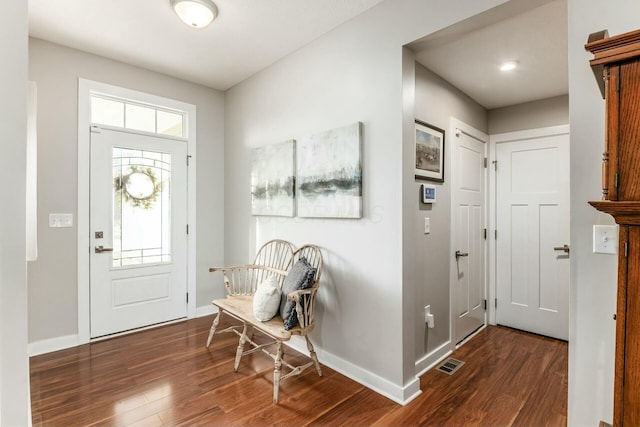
pixel 52 279
pixel 593 277
pixel 14 364
pixel 530 115
pixel 432 252
pixel 354 73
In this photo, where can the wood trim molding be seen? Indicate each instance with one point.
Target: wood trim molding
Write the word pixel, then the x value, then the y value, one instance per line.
pixel 607 50
pixel 614 49
pixel 627 212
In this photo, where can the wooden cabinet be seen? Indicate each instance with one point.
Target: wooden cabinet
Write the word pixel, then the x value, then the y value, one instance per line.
pixel 629 335
pixel 616 65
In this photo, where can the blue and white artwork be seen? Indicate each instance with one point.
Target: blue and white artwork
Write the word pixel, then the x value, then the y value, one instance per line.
pixel 329 174
pixel 273 179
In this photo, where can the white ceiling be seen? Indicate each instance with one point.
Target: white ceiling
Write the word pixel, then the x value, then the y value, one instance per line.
pixel 468 57
pixel 249 35
pixel 246 37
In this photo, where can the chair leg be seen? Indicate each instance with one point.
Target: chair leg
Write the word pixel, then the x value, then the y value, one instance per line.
pixel 213 327
pixel 276 372
pixel 313 355
pixel 250 332
pixel 243 340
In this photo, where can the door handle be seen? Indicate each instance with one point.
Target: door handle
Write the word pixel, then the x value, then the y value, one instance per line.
pixel 100 249
pixel 461 254
pixel 564 248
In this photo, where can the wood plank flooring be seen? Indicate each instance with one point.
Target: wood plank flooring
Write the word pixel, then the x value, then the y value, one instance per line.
pixel 167 377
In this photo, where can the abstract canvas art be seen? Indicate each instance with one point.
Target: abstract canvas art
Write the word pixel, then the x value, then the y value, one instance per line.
pixel 273 179
pixel 329 174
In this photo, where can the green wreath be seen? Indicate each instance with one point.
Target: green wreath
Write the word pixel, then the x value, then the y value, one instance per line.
pixel 121 185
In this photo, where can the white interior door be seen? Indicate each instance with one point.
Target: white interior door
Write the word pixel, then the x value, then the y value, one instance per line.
pixel 468 186
pixel 138 217
pixel 532 266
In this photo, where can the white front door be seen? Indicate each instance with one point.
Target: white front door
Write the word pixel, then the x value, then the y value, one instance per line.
pixel 532 266
pixel 468 253
pixel 138 218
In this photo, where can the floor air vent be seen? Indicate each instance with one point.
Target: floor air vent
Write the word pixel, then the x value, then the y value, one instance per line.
pixel 450 365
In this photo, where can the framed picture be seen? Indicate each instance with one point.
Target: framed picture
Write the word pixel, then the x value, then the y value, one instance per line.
pixel 429 152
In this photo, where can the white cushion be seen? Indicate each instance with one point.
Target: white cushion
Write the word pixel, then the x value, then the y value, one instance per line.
pixel 266 300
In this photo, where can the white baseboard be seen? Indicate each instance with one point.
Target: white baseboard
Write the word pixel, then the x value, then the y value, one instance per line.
pixel 53 344
pixel 432 359
pixel 399 394
pixel 206 310
pixel 60 343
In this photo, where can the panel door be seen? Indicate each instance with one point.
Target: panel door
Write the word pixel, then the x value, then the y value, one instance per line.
pixel 138 220
pixel 469 243
pixel 532 270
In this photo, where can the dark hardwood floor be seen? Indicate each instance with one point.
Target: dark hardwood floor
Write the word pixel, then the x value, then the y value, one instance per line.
pixel 167 377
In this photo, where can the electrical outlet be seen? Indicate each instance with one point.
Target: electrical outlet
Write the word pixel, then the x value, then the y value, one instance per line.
pixel 428 317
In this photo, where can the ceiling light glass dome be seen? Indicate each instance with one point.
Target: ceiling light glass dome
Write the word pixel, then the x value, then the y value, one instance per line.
pixel 195 13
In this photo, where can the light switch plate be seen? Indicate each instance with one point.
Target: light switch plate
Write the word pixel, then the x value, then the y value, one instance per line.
pixel 605 239
pixel 60 220
pixel 427 225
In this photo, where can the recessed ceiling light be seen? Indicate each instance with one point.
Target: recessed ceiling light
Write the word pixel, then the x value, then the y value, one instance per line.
pixel 508 66
pixel 195 13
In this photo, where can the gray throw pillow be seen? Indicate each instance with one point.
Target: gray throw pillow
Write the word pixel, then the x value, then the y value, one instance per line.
pixel 300 277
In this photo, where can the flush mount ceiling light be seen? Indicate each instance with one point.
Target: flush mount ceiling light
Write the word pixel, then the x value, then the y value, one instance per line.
pixel 508 66
pixel 195 13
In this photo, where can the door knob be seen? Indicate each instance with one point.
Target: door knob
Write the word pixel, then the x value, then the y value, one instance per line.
pixel 564 248
pixel 461 254
pixel 100 249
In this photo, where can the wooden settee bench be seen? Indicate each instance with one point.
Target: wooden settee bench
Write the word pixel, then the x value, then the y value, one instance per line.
pixel 275 258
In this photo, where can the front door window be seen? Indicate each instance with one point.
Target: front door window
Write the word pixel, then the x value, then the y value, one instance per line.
pixel 141 207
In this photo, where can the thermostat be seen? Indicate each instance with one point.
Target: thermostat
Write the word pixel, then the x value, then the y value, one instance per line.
pixel 428 193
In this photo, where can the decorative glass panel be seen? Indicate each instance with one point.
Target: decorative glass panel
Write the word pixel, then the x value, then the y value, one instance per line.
pixel 140 118
pixel 141 208
pixel 107 112
pixel 170 124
